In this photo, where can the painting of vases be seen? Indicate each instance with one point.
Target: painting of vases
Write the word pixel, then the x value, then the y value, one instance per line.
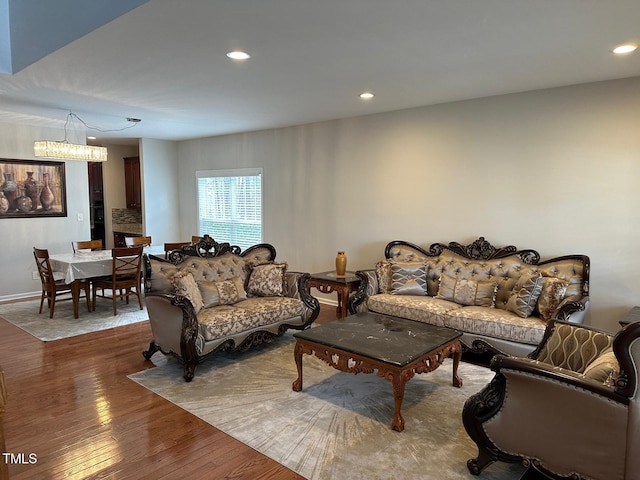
pixel 30 188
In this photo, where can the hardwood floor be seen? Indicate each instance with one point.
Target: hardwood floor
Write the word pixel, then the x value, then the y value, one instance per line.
pixel 71 405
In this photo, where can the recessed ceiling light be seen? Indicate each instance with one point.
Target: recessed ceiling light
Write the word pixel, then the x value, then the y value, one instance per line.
pixel 366 95
pixel 626 48
pixel 91 137
pixel 238 55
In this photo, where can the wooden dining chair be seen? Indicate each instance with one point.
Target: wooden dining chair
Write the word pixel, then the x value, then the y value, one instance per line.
pixel 52 286
pixel 125 277
pixel 137 241
pixel 170 246
pixel 87 245
pixel 195 239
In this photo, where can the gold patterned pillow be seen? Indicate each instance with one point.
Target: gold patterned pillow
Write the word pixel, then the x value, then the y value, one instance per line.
pixel 604 369
pixel 552 293
pixel 267 280
pixel 225 292
pixel 481 293
pixel 524 295
pixel 184 284
pixel 383 274
pixel 231 291
pixel 409 278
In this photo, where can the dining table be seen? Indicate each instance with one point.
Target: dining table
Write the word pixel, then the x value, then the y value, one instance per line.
pixel 84 265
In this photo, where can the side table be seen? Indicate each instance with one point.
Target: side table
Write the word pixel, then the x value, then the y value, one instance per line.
pixel 329 282
pixel 632 315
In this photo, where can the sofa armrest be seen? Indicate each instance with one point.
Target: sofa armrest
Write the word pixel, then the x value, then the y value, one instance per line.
pixel 368 286
pixel 562 376
pixel 572 309
pixel 175 328
pixel 296 287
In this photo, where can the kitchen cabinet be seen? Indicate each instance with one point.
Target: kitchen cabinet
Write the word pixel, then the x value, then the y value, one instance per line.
pixel 133 188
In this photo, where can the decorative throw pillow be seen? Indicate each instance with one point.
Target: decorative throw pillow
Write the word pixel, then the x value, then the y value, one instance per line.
pixel 209 292
pixel 552 293
pixel 480 293
pixel 604 369
pixel 524 295
pixel 383 274
pixel 184 284
pixel 225 292
pixel 267 280
pixel 409 278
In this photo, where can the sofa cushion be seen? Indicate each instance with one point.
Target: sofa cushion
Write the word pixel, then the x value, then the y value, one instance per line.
pixel 226 292
pixel 497 323
pixel 524 295
pixel 467 292
pixel 184 284
pixel 408 278
pixel 420 308
pixel 224 320
pixel 551 294
pixel 604 369
pixel 267 280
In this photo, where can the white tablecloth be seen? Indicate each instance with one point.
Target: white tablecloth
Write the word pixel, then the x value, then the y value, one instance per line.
pixel 79 265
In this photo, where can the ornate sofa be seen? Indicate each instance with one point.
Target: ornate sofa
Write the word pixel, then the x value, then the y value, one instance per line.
pixel 210 297
pixel 499 298
pixel 569 411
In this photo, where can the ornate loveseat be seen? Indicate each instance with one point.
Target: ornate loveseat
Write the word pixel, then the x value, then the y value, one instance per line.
pixel 500 298
pixel 210 297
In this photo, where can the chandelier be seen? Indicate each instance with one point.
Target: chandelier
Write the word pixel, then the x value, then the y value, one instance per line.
pixel 75 151
pixel 69 151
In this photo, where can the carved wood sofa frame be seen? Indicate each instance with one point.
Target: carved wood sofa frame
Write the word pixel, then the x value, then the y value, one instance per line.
pixel 207 247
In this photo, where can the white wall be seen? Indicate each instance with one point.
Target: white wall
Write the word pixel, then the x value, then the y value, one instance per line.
pixel 554 170
pixel 159 174
pixel 18 236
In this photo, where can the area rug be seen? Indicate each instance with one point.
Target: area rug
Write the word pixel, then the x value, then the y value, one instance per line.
pixel 338 426
pixel 25 315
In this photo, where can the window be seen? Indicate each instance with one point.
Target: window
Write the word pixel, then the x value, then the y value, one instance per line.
pixel 230 205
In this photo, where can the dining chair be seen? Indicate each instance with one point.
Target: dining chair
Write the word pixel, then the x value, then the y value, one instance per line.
pixel 138 241
pixel 87 245
pixel 53 282
pixel 195 239
pixel 125 277
pixel 170 246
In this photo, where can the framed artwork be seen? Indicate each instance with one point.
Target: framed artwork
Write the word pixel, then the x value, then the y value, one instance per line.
pixel 32 188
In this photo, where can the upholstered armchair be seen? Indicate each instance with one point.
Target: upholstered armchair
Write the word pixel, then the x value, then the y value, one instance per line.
pixel 569 410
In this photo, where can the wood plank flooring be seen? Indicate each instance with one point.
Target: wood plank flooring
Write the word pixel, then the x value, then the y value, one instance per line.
pixel 71 404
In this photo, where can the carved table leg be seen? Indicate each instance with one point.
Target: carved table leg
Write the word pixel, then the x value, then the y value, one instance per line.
pixel 399 383
pixel 297 355
pixel 457 353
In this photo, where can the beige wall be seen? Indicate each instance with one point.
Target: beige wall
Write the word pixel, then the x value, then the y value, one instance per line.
pixel 555 170
pixel 18 236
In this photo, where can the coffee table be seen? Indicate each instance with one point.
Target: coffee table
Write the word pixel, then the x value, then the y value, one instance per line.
pixel 397 348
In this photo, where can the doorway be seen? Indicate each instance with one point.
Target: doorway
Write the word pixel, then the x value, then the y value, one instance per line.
pixel 96 202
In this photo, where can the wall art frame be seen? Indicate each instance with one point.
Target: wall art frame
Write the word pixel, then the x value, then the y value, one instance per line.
pixel 32 189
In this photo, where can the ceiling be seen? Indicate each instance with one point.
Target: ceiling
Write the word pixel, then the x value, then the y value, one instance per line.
pixel 164 62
